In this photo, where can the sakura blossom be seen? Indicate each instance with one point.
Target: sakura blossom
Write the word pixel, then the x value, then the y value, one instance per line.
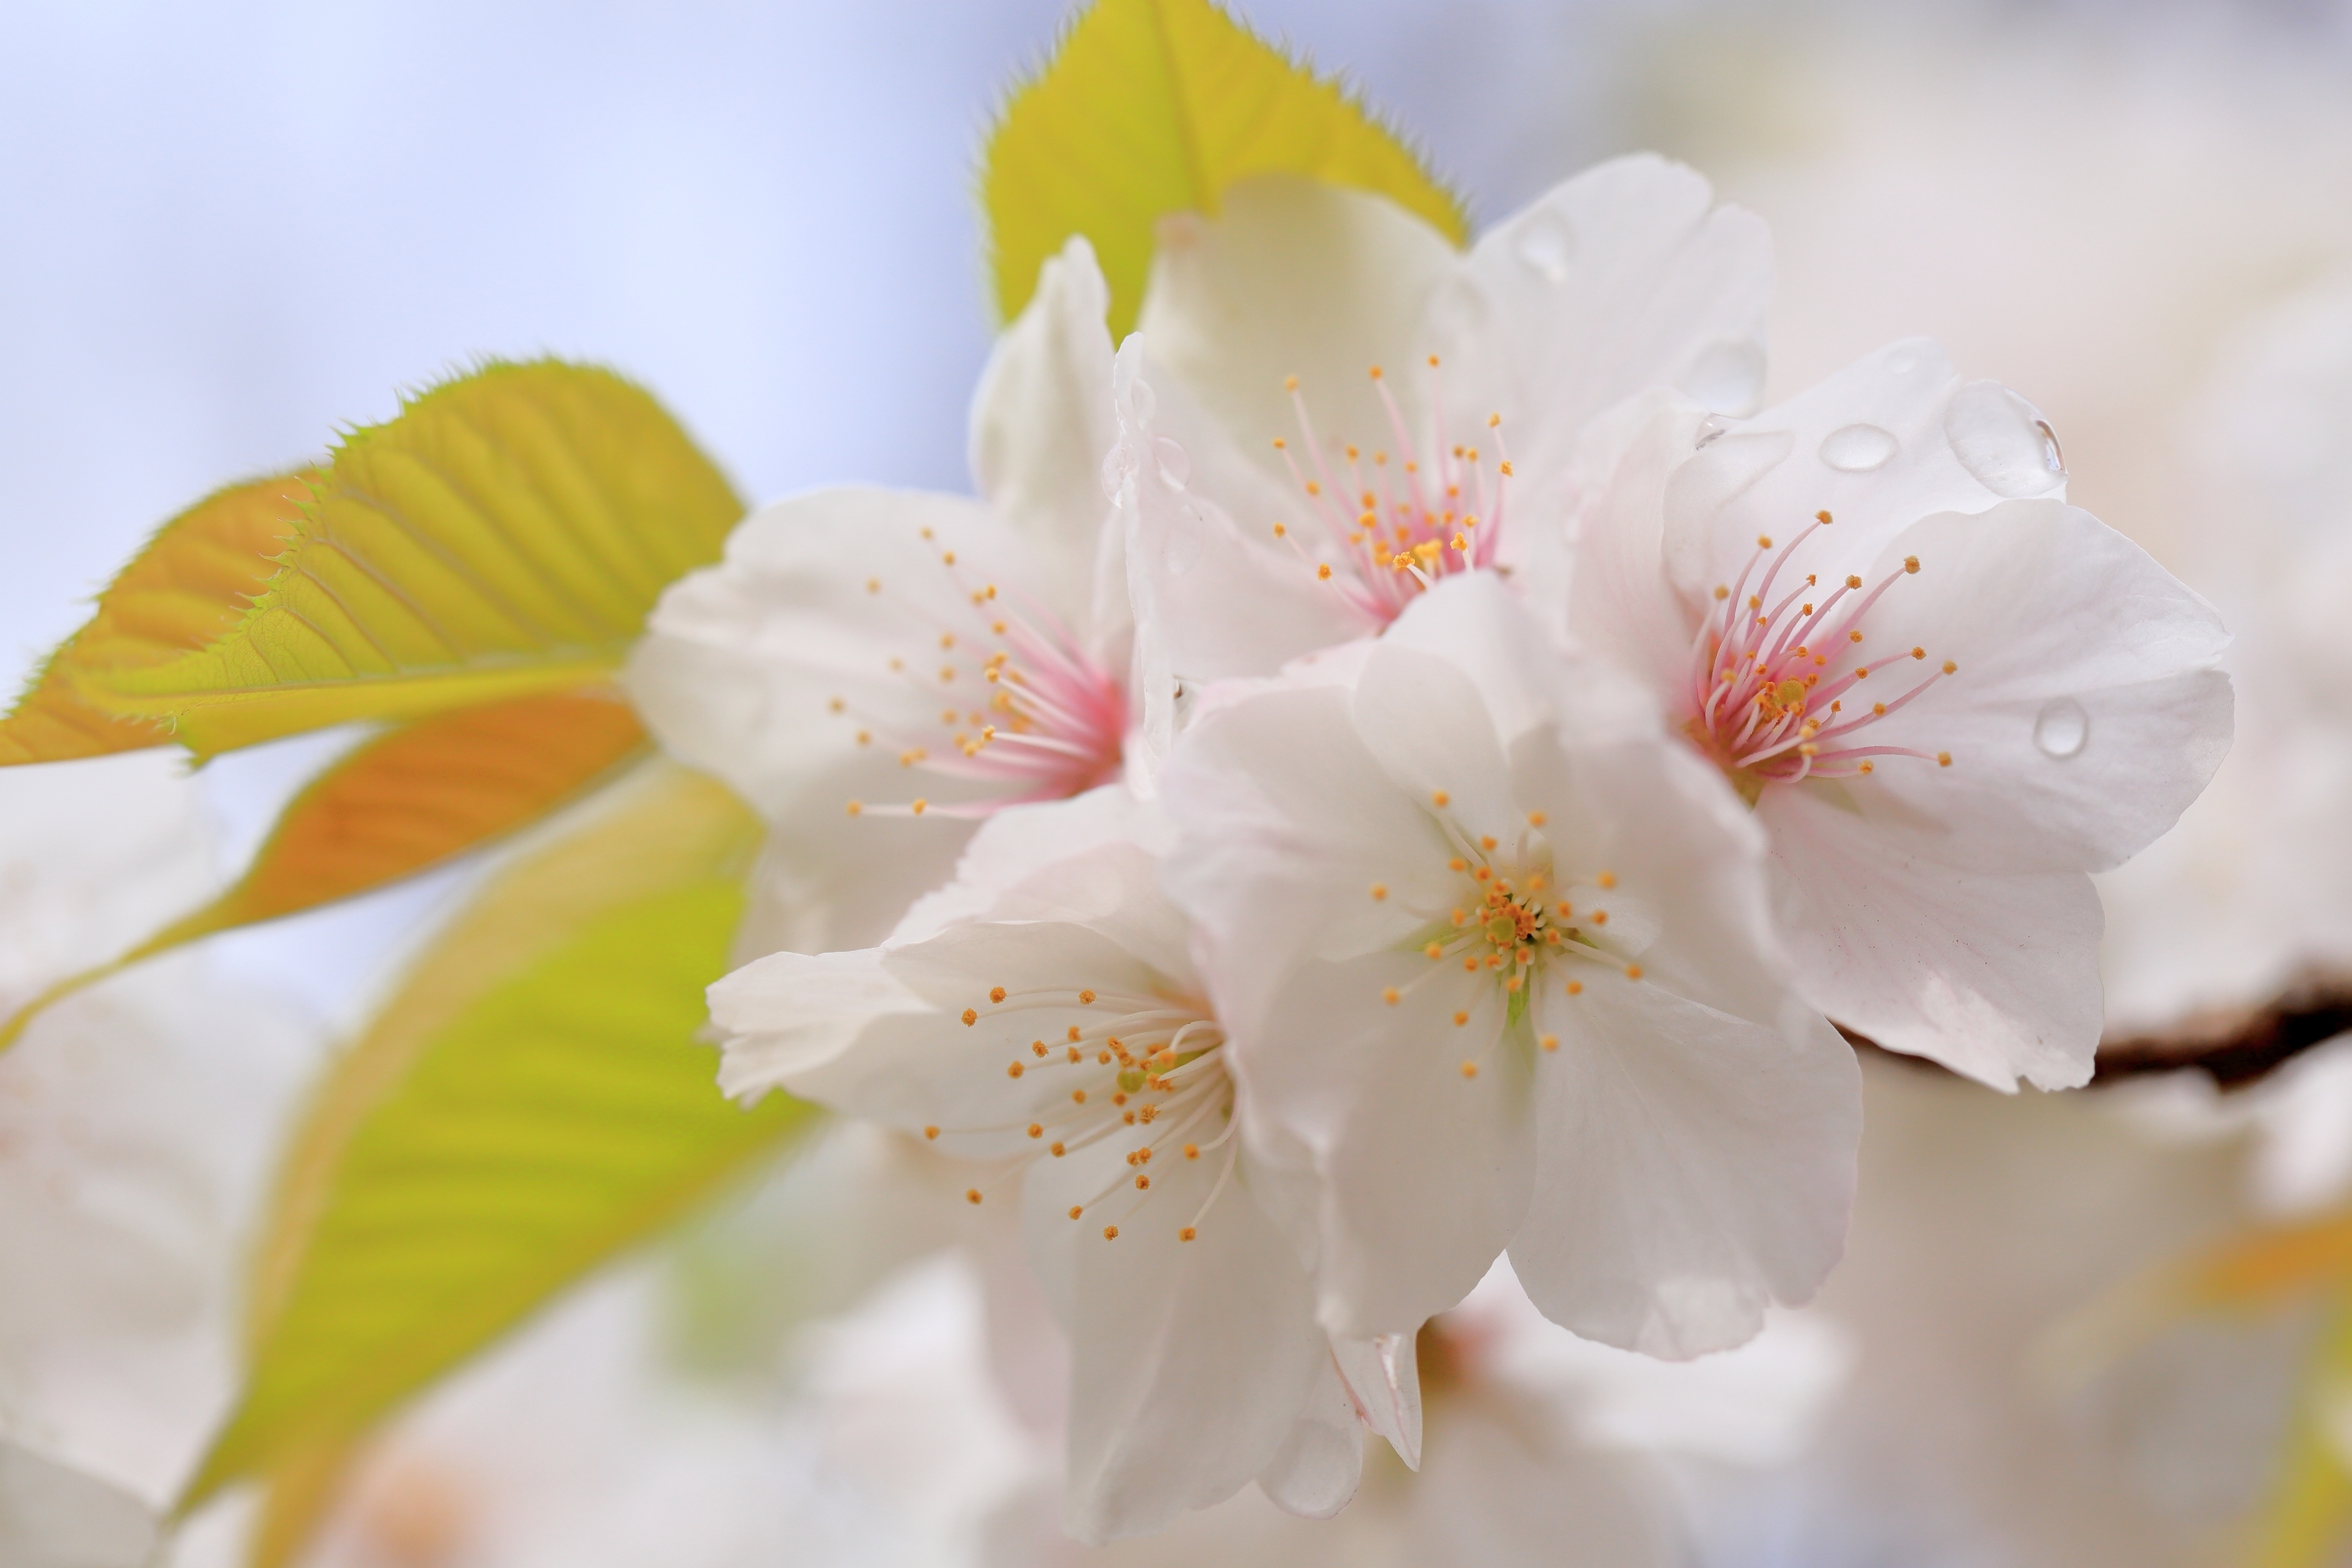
pixel 1327 409
pixel 878 670
pixel 1947 695
pixel 1494 953
pixel 1043 1019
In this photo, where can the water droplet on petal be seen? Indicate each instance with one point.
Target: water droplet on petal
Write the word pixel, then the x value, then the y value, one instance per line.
pixel 1175 468
pixel 2003 441
pixel 1709 429
pixel 1724 469
pixel 1858 448
pixel 1727 376
pixel 2061 728
pixel 1117 464
pixel 1545 243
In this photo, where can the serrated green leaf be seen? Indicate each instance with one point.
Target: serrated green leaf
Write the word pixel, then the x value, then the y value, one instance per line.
pixel 189 583
pixel 505 534
pixel 532 1101
pixel 1152 106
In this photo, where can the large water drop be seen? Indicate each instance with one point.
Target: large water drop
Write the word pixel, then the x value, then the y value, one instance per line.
pixel 2061 729
pixel 2003 441
pixel 1858 448
pixel 1175 468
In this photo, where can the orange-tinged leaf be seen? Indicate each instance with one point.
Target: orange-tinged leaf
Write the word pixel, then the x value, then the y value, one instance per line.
pixel 191 583
pixel 402 803
pixel 414 797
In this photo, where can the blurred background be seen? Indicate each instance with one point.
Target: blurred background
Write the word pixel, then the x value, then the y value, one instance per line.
pixel 239 227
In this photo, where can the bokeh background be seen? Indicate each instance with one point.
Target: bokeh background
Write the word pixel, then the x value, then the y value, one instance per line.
pixel 231 229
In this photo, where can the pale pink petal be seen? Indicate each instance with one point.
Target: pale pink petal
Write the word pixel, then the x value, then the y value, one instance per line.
pixel 1624 278
pixel 1384 1384
pixel 1994 976
pixel 1041 426
pixel 1870 445
pixel 1190 1361
pixel 1293 278
pixel 1692 1167
pixel 2086 709
pixel 1314 1473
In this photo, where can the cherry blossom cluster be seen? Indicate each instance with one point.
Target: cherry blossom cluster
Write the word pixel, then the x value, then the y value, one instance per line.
pixel 1404 766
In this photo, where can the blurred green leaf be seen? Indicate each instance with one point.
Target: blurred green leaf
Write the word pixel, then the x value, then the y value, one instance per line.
pixel 2311 1502
pixel 532 1101
pixel 505 534
pixel 1152 106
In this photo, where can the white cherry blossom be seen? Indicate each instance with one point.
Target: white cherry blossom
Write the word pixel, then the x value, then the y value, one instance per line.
pixel 1042 1017
pixel 1494 953
pixel 1948 695
pixel 912 660
pixel 1312 418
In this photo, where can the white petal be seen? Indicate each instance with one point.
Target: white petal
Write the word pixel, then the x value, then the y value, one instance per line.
pixel 1017 843
pixel 1284 774
pixel 1314 1473
pixel 1190 1361
pixel 1994 976
pixel 1216 592
pixel 881 1033
pixel 1293 278
pixel 743 663
pixel 1488 633
pixel 1383 1383
pixel 1041 424
pixel 1816 452
pixel 792 1015
pixel 2087 709
pixel 1692 1167
pixel 1610 592
pixel 1424 1171
pixel 826 882
pixel 1624 278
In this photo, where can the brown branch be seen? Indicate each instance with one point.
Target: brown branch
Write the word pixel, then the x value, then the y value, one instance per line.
pixel 2234 1047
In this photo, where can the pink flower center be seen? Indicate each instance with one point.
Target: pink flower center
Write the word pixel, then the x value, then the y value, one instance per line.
pixel 1029 715
pixel 1777 687
pixel 1391 530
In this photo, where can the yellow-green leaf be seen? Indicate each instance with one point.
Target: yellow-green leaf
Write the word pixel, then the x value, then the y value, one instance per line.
pixel 533 1100
pixel 504 535
pixel 399 803
pixel 191 583
pixel 1152 106
pixel 2304 1525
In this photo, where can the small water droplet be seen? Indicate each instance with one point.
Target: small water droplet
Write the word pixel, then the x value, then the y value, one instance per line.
pixel 1727 376
pixel 1117 464
pixel 2003 440
pixel 1175 468
pixel 1545 242
pixel 1858 448
pixel 1709 429
pixel 2061 728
